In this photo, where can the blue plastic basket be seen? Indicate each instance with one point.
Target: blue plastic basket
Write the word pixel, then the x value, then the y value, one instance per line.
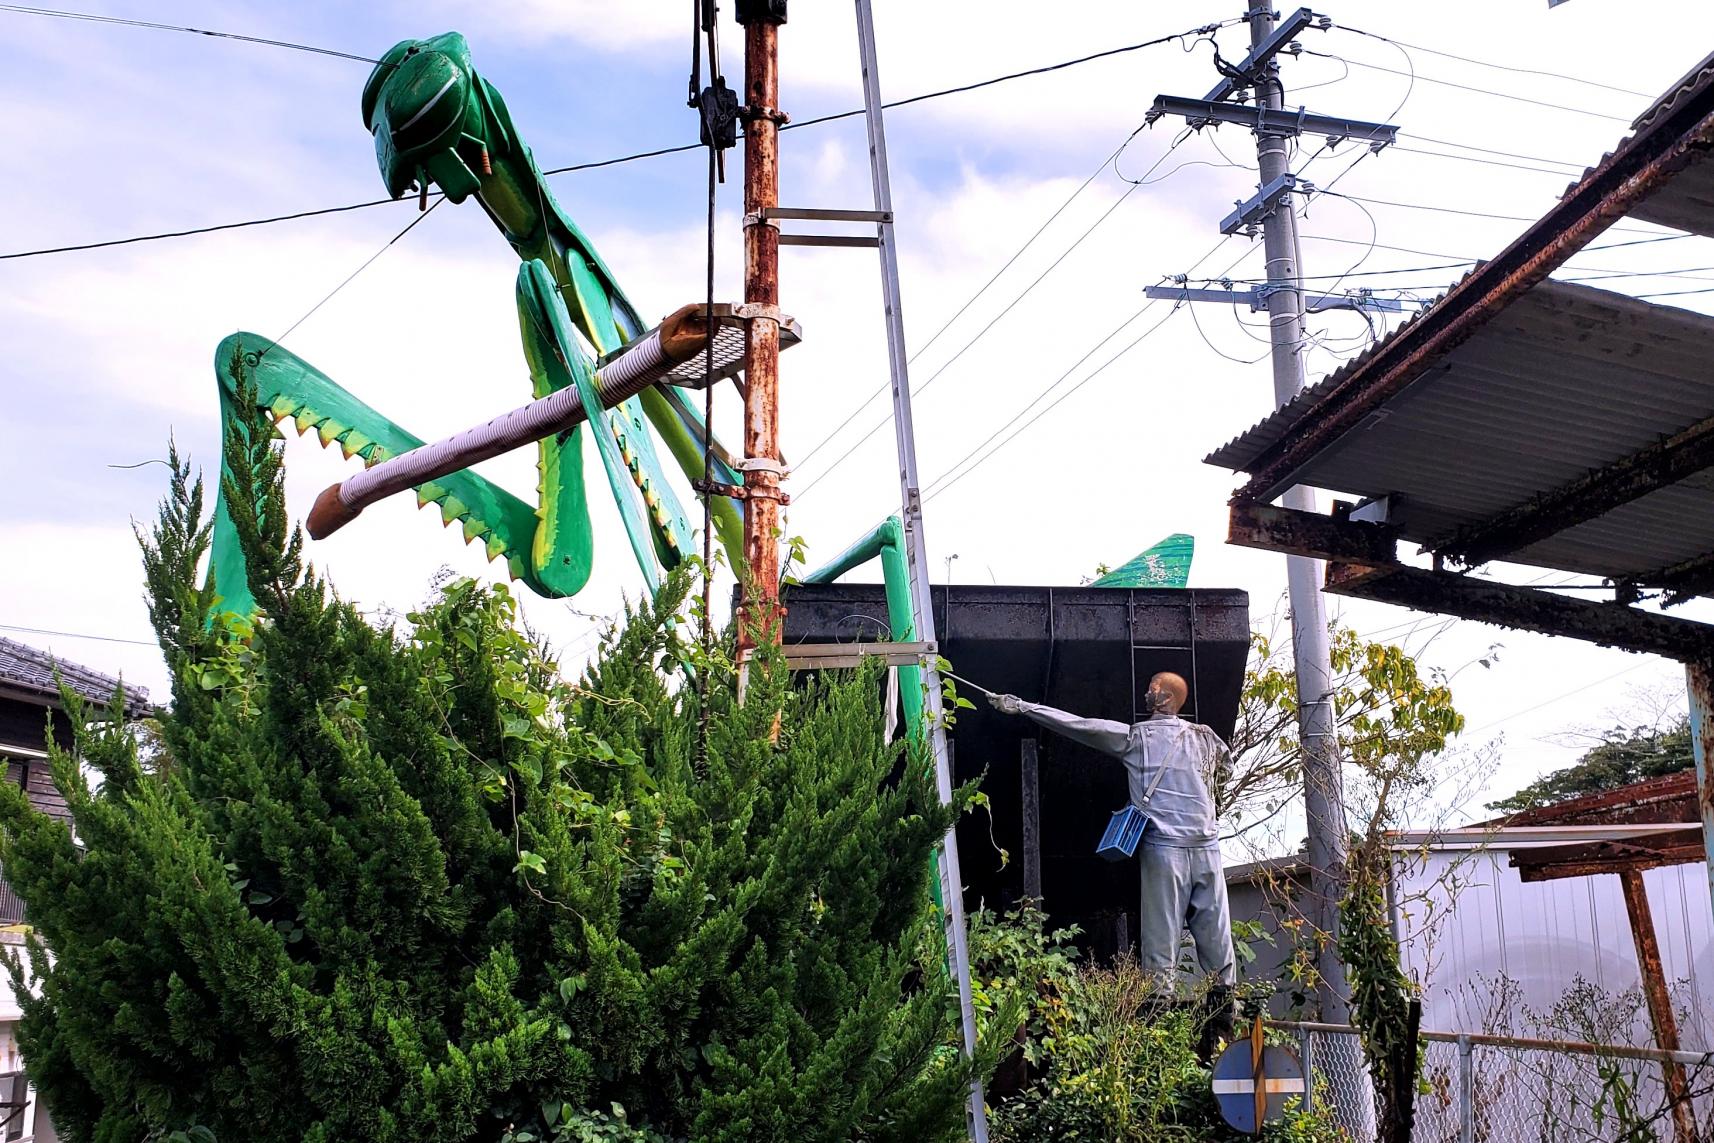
pixel 1124 831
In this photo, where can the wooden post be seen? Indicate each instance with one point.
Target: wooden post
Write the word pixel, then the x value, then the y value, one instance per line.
pixel 1660 1004
pixel 1031 788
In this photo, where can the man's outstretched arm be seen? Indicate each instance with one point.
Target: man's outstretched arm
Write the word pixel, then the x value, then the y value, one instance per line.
pixel 1101 734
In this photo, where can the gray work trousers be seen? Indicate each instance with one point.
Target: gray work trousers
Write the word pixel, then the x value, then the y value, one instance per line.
pixel 1184 888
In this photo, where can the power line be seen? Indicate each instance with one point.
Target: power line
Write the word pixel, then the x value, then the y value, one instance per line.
pixel 948 363
pixel 1483 161
pixel 1676 293
pixel 1472 88
pixel 1492 151
pixel 85 16
pixel 1141 181
pixel 1557 698
pixel 589 166
pixel 76 635
pixel 970 301
pixel 1495 66
pixel 198 230
pixel 952 475
pixel 1459 211
pixel 351 276
pixel 948 479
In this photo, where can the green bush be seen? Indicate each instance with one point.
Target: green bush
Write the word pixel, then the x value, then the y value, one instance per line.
pixel 393 885
pixel 1105 1062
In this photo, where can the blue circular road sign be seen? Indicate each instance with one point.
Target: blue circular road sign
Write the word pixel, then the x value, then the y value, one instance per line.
pixel 1253 1089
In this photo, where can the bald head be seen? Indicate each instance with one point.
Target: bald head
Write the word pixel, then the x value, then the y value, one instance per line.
pixel 1168 692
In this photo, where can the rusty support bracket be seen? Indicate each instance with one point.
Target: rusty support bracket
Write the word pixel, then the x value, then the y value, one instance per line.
pixel 750 113
pixel 1301 533
pixel 1660 464
pixel 1524 608
pixel 738 491
pixel 1682 582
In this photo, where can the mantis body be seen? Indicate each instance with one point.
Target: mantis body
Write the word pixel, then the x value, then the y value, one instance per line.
pixel 437 122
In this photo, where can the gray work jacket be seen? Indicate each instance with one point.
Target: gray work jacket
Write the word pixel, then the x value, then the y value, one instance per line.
pixel 1182 760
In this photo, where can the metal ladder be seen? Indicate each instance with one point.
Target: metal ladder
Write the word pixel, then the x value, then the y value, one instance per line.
pixel 951 882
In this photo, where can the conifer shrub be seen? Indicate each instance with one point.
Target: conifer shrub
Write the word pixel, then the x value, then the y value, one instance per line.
pixel 406 883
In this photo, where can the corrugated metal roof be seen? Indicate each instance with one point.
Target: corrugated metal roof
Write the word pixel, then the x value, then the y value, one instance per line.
pixel 1469 439
pixel 1549 382
pixel 27 668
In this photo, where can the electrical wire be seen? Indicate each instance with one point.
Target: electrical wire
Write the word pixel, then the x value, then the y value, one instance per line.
pixel 948 363
pixel 1495 66
pixel 1206 340
pixel 953 475
pixel 23 10
pixel 352 276
pixel 77 635
pixel 599 163
pixel 1477 90
pixel 949 479
pixel 983 332
pixel 1374 237
pixel 1327 145
pixel 1493 151
pixel 973 298
pixel 1483 161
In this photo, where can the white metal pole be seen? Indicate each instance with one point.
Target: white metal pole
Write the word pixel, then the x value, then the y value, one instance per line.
pixel 916 555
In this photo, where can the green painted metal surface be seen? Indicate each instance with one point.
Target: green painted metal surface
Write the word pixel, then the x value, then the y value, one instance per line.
pixel 1167 564
pixel 437 122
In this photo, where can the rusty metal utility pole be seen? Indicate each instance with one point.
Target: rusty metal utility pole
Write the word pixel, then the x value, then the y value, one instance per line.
pixel 759 614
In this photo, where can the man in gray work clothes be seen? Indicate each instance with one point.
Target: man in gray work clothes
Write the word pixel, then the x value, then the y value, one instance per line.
pixel 1173 767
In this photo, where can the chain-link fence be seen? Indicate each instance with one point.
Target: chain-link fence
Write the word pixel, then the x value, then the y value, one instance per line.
pixel 1501 1089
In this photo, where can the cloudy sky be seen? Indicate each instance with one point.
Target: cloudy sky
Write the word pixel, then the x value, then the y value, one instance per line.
pixel 1058 428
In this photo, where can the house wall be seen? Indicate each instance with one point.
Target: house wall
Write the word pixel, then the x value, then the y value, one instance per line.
pixel 1266 898
pixel 25 724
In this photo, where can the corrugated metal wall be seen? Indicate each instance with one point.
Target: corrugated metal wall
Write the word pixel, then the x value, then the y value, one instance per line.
pixel 1472 922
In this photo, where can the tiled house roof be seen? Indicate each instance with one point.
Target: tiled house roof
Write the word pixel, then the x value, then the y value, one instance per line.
pixel 29 670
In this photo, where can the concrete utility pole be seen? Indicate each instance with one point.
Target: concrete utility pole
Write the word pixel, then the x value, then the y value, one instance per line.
pixel 1323 783
pixel 1270 211
pixel 760 612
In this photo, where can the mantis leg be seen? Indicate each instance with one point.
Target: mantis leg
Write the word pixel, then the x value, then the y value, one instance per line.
pixel 656 524
pixel 287 386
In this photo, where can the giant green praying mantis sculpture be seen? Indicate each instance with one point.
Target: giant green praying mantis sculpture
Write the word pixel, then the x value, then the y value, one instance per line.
pixel 435 120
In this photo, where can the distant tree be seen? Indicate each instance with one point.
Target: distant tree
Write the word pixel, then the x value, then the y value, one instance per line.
pixel 409 884
pixel 1625 754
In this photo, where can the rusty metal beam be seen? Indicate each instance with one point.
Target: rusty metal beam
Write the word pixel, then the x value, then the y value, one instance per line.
pixel 1682 581
pixel 1310 534
pixel 1668 798
pixel 1699 684
pixel 1628 855
pixel 1662 463
pixel 1639 167
pixel 1524 608
pixel 1660 1004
